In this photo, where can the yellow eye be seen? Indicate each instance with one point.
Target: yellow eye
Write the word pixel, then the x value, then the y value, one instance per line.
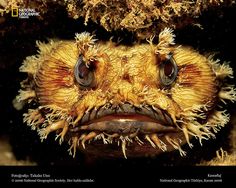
pixel 168 71
pixel 84 74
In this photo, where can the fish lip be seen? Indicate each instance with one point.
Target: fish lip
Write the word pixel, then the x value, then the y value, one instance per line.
pixel 143 120
pixel 127 125
pixel 145 112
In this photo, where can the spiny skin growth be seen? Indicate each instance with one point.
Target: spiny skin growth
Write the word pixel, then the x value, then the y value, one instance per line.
pixel 113 100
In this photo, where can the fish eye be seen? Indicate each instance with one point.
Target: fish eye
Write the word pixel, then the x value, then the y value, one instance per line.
pixel 168 71
pixel 83 73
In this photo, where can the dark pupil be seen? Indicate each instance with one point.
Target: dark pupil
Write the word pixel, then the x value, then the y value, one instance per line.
pixel 168 69
pixel 83 71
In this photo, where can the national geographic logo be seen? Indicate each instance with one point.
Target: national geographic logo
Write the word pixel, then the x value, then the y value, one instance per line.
pixel 14 12
pixel 20 12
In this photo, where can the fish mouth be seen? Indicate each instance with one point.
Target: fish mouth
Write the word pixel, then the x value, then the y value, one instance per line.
pixel 126 118
pixel 127 124
pixel 139 130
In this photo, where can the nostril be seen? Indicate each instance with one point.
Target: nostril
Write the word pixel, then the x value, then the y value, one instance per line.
pixel 126 77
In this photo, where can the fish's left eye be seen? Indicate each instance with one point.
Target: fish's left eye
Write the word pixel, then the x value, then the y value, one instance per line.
pixel 168 71
pixel 84 74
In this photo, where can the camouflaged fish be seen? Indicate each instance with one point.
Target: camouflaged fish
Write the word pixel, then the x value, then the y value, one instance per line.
pixel 114 100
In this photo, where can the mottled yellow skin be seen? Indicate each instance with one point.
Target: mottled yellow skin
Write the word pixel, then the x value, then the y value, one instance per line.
pixel 124 74
pixel 56 85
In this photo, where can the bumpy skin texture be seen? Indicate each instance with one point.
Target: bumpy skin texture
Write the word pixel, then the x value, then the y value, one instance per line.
pixel 127 103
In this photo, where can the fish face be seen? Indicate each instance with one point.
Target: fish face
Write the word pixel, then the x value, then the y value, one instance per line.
pixel 112 100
